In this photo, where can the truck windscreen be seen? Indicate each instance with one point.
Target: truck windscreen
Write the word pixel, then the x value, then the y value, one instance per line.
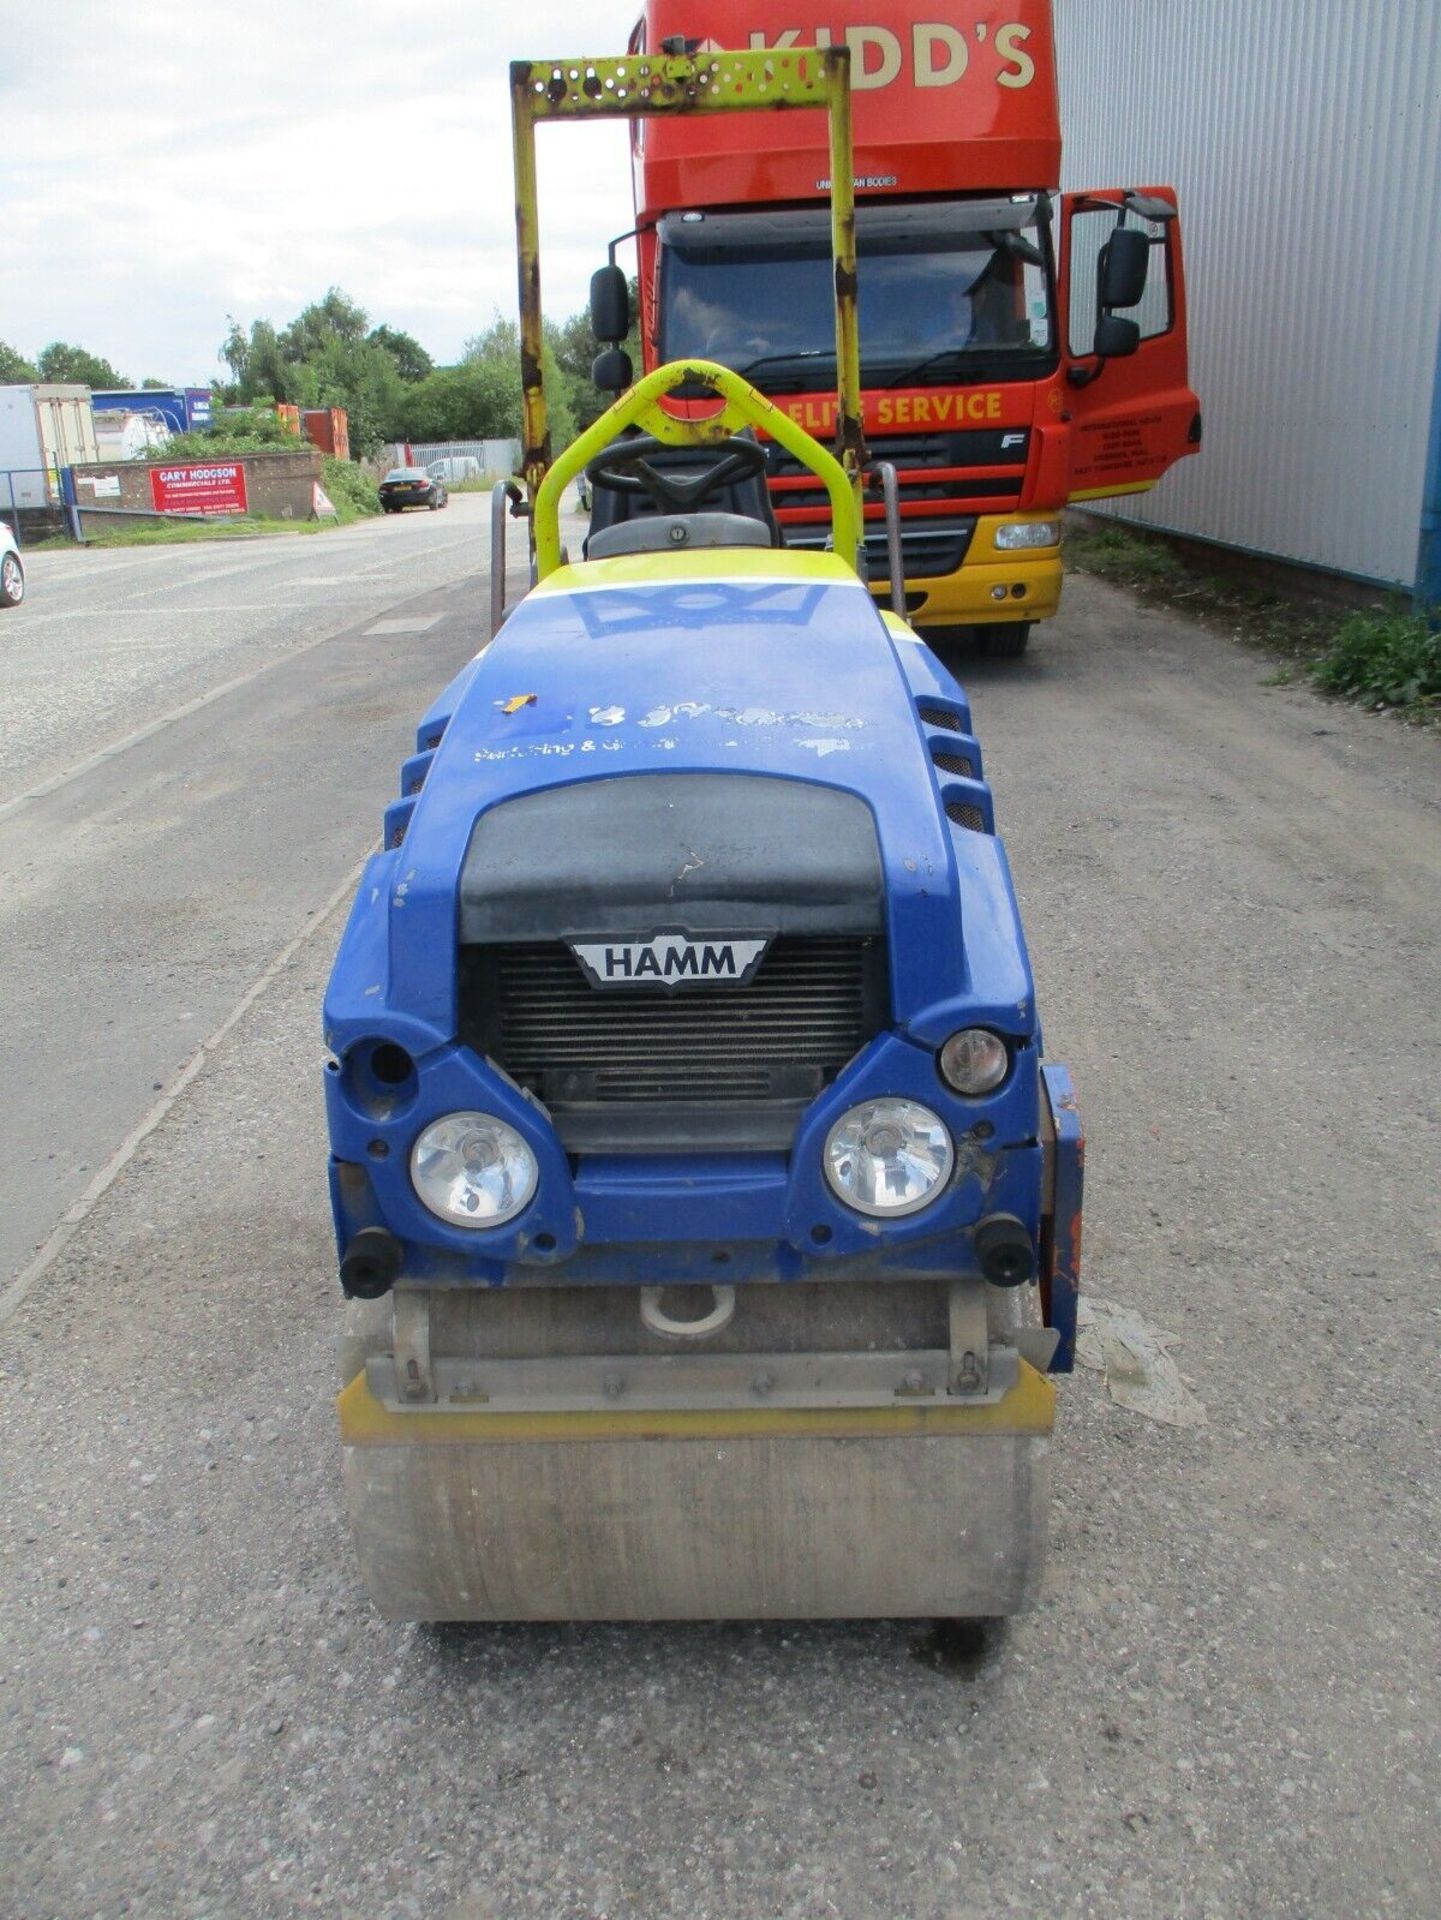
pixel 946 288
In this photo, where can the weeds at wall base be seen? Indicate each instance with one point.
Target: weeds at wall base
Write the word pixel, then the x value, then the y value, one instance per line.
pixel 1385 658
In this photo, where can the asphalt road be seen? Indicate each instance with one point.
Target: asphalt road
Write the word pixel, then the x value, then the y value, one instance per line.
pixel 1227 1703
pixel 196 744
pixel 113 640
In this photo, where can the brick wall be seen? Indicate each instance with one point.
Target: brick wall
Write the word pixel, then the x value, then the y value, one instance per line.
pixel 277 486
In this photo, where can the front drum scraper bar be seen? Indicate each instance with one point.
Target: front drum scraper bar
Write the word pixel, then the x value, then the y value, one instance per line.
pixel 624 88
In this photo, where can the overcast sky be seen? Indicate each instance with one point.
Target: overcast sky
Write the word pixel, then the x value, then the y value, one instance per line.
pixel 165 163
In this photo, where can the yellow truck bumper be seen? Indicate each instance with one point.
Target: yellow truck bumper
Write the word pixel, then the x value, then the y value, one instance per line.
pixel 991 588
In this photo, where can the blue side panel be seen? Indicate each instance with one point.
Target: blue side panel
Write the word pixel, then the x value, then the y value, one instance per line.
pixel 437 715
pixel 1428 558
pixel 397 819
pixel 1061 1247
pixel 930 683
pixel 413 772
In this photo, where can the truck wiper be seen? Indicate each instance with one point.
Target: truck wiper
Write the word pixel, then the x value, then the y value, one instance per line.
pixel 779 359
pixel 926 365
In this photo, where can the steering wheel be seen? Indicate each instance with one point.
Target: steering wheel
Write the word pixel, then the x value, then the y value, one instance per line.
pixel 626 468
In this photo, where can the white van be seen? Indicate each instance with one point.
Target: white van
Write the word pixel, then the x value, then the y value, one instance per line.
pixel 454 468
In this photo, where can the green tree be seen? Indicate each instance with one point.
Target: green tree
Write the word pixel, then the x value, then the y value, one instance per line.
pixel 359 377
pixel 235 352
pixel 151 385
pixel 322 359
pixel 260 368
pixel 330 356
pixel 412 362
pixel 575 350
pixel 74 365
pixel 498 349
pixel 15 369
pixel 323 323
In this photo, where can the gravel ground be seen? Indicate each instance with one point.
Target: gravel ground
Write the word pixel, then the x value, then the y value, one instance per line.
pixel 1227 1703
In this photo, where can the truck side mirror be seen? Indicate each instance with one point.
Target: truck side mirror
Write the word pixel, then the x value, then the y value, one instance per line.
pixel 609 304
pixel 1116 337
pixel 611 371
pixel 1124 261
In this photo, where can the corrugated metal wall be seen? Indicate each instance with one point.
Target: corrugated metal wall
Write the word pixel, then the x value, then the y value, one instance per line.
pixel 495 456
pixel 1304 138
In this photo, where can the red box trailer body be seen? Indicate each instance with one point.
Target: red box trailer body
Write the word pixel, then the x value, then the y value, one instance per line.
pixel 980 287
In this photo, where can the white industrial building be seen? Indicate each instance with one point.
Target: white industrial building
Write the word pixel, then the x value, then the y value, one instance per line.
pixel 1304 140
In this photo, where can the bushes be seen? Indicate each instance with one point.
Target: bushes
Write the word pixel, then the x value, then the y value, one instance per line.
pixel 350 487
pixel 256 430
pixel 1390 659
pixel 1378 657
pixel 1123 556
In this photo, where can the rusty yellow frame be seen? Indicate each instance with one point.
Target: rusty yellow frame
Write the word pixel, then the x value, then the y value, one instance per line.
pixel 778 81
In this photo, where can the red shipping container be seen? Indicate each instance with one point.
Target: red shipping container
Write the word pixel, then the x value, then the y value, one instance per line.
pixel 329 429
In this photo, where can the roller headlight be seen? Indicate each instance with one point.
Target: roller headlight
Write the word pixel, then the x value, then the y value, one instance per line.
pixel 888 1157
pixel 473 1170
pixel 1027 533
pixel 975 1061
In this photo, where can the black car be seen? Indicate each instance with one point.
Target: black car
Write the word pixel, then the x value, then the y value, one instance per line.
pixel 411 487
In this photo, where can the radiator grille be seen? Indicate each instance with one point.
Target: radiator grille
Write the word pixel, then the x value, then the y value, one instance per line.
pixel 812 1003
pixel 931 475
pixel 929 465
pixel 930 550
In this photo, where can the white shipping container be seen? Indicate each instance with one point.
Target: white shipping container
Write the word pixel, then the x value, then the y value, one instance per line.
pixel 1304 141
pixel 43 427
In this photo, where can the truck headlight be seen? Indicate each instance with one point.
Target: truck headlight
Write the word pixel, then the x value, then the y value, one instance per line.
pixel 975 1061
pixel 888 1157
pixel 1027 533
pixel 473 1170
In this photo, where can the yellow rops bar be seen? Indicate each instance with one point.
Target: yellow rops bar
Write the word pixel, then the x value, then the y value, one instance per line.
pixel 779 81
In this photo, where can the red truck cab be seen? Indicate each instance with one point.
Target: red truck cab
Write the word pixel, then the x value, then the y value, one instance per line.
pixel 983 292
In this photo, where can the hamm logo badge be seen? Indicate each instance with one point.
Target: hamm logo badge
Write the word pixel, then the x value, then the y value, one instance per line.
pixel 670 960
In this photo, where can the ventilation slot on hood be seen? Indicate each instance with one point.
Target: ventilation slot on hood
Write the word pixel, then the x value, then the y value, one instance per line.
pixel 954 763
pixel 941 717
pixel 966 815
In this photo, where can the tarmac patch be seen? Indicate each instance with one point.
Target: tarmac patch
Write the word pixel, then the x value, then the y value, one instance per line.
pixel 403 626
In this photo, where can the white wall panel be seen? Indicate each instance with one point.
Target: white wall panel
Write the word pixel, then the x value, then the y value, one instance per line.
pixel 1304 139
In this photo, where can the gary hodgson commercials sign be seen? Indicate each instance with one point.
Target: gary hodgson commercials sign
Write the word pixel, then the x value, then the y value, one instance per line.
pixel 214 489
